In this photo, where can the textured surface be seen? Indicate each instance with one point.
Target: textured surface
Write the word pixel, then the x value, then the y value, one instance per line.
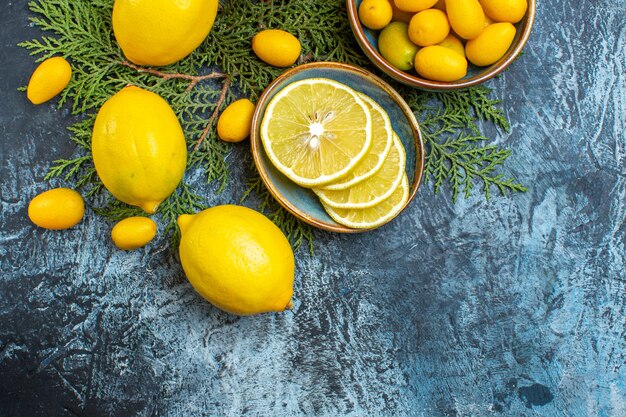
pixel 510 307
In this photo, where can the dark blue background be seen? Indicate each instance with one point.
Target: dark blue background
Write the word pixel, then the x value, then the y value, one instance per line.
pixel 512 307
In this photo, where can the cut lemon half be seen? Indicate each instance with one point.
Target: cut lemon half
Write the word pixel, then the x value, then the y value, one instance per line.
pixel 373 190
pixel 378 215
pixel 382 138
pixel 316 130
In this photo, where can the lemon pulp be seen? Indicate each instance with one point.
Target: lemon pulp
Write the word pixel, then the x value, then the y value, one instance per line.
pixel 382 139
pixel 373 216
pixel 316 130
pixel 373 190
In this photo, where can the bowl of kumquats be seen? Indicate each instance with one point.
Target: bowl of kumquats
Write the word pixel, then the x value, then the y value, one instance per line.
pixel 441 44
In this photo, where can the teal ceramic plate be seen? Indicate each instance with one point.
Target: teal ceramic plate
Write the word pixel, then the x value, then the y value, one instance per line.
pixel 368 41
pixel 302 202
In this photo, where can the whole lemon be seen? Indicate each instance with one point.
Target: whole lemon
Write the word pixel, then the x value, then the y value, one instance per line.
pixel 375 14
pixel 237 259
pixel 439 63
pixel 161 32
pixel 235 122
pixel 396 47
pixel 57 209
pixel 48 80
pixel 276 47
pixel 133 232
pixel 466 17
pixel 491 45
pixel 138 148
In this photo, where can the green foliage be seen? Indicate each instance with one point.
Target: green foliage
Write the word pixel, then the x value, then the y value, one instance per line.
pixel 225 67
pixel 458 155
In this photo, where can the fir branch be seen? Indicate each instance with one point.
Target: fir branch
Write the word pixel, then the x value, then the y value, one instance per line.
pixel 67 168
pixel 457 154
pixel 485 108
pixel 194 79
pixel 182 201
pixel 209 124
pixel 114 210
pixel 81 132
pixel 461 160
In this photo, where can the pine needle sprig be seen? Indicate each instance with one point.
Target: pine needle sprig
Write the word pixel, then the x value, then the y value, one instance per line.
pixel 460 161
pixel 485 107
pixel 114 210
pixel 184 201
pixel 68 168
pixel 457 154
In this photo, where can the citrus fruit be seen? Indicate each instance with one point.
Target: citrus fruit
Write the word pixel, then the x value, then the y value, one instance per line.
pixel 276 47
pixel 235 121
pixel 56 209
pixel 439 63
pixel 466 17
pixel 48 80
pixel 237 259
pixel 441 5
pixel 399 15
pixel 316 130
pixel 373 190
pixel 414 5
pixel 488 21
pixel 374 216
pixel 161 32
pixel 138 148
pixel 133 232
pixel 491 44
pixel 511 11
pixel 382 140
pixel 375 14
pixel 396 47
pixel 428 27
pixel 453 43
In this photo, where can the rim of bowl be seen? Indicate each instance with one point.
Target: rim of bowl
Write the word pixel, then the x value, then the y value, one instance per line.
pixel 415 81
pixel 257 146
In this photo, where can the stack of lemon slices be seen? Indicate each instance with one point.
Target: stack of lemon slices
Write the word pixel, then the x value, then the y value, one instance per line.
pixel 326 136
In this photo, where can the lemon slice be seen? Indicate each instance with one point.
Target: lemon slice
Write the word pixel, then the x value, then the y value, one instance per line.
pixel 380 214
pixel 316 130
pixel 373 190
pixel 382 138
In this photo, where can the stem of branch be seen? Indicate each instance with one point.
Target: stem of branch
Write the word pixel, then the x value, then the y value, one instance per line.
pixel 219 103
pixel 194 79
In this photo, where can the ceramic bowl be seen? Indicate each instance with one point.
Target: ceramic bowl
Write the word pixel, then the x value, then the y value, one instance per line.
pixel 302 202
pixel 368 40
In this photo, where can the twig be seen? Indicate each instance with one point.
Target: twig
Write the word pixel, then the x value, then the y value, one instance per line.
pixel 195 79
pixel 214 115
pixel 303 59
